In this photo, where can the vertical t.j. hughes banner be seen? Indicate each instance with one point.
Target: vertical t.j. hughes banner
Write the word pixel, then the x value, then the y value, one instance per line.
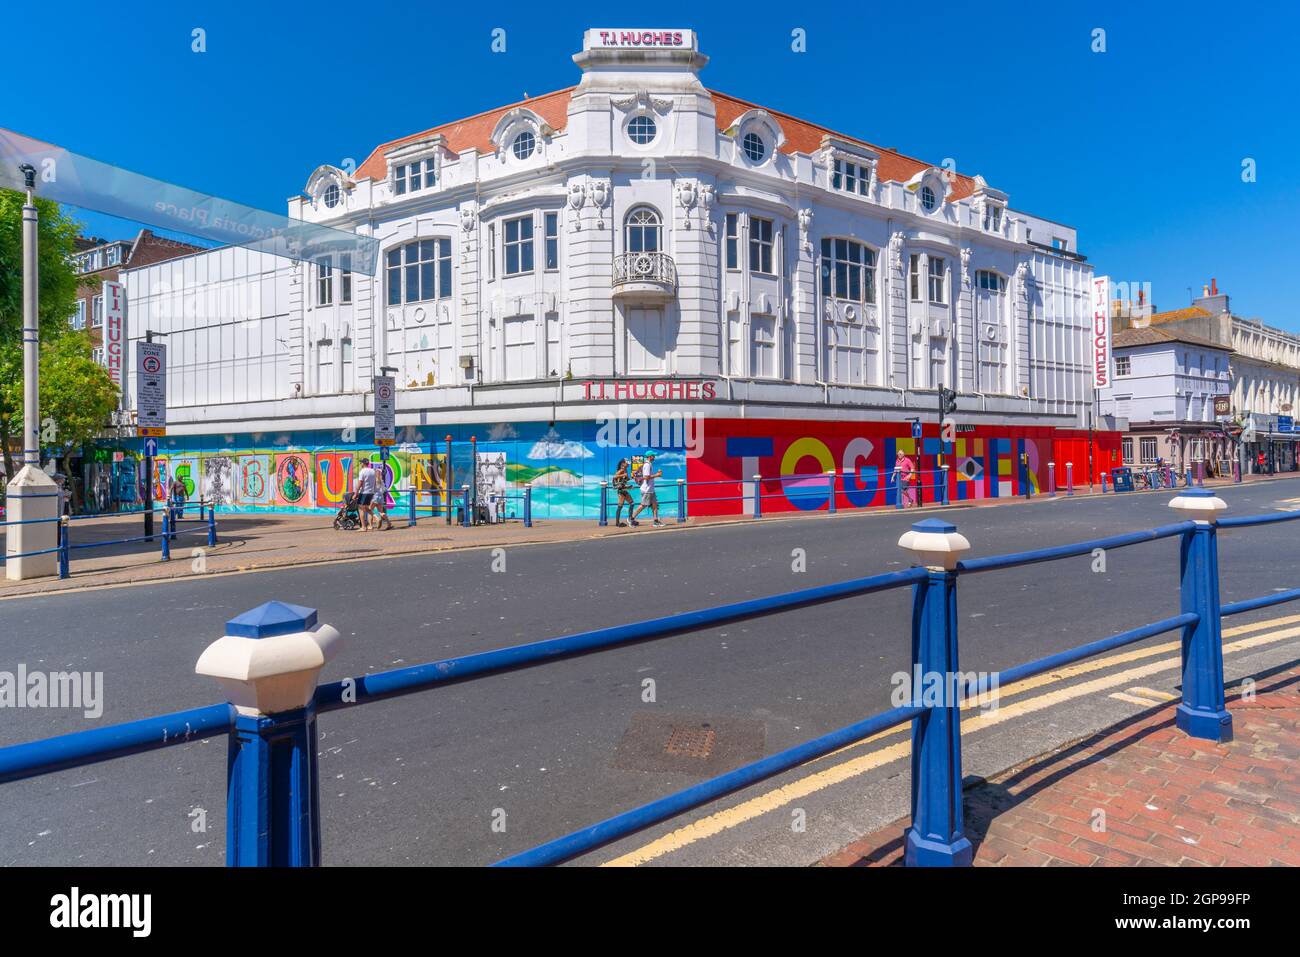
pixel 114 330
pixel 1101 363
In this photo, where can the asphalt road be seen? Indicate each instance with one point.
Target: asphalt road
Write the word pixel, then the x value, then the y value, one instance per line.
pixel 430 778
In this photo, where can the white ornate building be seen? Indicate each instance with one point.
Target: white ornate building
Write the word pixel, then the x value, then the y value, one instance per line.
pixel 636 237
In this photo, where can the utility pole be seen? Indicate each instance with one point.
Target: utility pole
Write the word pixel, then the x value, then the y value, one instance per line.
pixel 148 471
pixel 33 499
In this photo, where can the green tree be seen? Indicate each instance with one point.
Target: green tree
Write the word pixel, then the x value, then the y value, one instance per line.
pixel 56 237
pixel 77 394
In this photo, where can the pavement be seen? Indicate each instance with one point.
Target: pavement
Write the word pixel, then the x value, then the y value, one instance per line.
pixel 425 779
pixel 1140 793
pixel 252 541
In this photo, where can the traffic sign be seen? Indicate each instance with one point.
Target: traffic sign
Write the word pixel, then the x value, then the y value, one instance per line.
pixel 146 430
pixel 385 410
pixel 150 386
pixel 916 430
pixel 150 448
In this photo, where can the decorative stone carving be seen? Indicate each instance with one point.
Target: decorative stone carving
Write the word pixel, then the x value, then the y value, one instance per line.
pixel 1023 279
pixel 577 197
pixel 468 217
pixel 805 225
pixel 965 266
pixel 686 193
pixel 643 100
pixel 896 251
pixel 598 193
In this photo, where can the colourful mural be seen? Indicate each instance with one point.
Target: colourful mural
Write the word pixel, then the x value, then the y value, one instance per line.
pixel 565 463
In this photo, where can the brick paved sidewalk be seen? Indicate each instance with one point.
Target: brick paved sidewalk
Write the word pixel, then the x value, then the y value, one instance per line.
pixel 1167 799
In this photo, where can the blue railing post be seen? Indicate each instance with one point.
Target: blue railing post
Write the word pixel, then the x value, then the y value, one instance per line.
pixel 898 489
pixel 1069 479
pixel 410 502
pixel 830 480
pixel 943 478
pixel 273 784
pixel 64 551
pixel 212 523
pixel 466 518
pixel 603 520
pixel 1201 713
pixel 936 838
pixel 758 496
pixel 681 500
pixel 166 535
pixel 528 506
pixel 1051 479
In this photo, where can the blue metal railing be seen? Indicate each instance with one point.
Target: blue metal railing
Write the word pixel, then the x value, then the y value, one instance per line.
pixel 936 836
pixel 172 516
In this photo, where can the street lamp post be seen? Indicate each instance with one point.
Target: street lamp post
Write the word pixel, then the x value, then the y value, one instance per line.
pixel 32 497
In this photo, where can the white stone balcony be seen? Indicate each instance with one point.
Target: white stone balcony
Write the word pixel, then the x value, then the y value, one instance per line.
pixel 645 277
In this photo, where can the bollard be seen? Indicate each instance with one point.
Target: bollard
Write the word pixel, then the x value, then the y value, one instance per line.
pixel 1069 479
pixel 944 479
pixel 466 518
pixel 898 489
pixel 212 524
pixel 1201 713
pixel 831 478
pixel 528 506
pixel 604 504
pixel 1051 479
pixel 166 535
pixel 1103 482
pixel 1200 474
pixel 64 558
pixel 758 496
pixel 1187 477
pixel 681 500
pixel 268 664
pixel 935 837
pixel 410 501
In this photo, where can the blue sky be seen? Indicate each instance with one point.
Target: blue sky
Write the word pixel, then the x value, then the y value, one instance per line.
pixel 1140 147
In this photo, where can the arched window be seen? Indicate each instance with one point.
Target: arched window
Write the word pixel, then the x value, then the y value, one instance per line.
pixel 642 231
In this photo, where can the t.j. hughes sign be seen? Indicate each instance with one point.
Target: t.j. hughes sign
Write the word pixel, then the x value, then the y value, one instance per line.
pixel 639 39
pixel 1101 344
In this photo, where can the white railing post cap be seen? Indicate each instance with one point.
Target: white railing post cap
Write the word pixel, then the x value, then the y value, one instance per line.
pixel 935 543
pixel 270 657
pixel 1198 505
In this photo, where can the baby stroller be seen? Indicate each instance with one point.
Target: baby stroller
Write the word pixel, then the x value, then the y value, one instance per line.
pixel 348 517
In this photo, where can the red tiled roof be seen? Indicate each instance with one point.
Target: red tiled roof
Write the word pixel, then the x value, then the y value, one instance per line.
pixel 1189 312
pixel 800 137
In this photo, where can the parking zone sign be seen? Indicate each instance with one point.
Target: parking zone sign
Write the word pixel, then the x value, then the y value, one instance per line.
pixel 385 410
pixel 151 388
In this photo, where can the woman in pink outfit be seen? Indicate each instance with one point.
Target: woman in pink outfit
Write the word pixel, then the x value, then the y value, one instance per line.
pixel 907 473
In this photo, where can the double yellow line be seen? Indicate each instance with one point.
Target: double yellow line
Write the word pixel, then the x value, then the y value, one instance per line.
pixel 838 773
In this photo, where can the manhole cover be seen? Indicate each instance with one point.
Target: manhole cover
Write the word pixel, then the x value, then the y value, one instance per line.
pixel 688 742
pixel 692 742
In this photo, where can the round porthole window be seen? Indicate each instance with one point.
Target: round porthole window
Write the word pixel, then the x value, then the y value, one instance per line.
pixel 754 147
pixel 525 143
pixel 641 130
pixel 332 195
pixel 928 200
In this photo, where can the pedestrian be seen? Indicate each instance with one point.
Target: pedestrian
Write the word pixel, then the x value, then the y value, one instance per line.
pixel 382 521
pixel 648 496
pixel 906 473
pixel 367 483
pixel 1261 462
pixel 622 482
pixel 177 492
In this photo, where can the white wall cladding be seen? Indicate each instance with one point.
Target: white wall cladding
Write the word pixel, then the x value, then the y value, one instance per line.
pixel 225 316
pixel 246 329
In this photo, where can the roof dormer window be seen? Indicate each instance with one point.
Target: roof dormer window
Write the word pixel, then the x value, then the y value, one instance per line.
pixel 754 147
pixel 332 195
pixel 928 200
pixel 414 176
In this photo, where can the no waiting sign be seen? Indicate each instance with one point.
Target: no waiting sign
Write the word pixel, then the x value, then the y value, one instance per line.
pixel 151 386
pixel 385 410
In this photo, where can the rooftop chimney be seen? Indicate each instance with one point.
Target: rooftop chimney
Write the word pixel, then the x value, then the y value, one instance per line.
pixel 1214 286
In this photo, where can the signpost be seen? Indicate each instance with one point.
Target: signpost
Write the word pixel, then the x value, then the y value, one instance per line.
pixel 150 409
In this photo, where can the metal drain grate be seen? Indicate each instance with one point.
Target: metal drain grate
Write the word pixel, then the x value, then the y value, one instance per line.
pixel 691 742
